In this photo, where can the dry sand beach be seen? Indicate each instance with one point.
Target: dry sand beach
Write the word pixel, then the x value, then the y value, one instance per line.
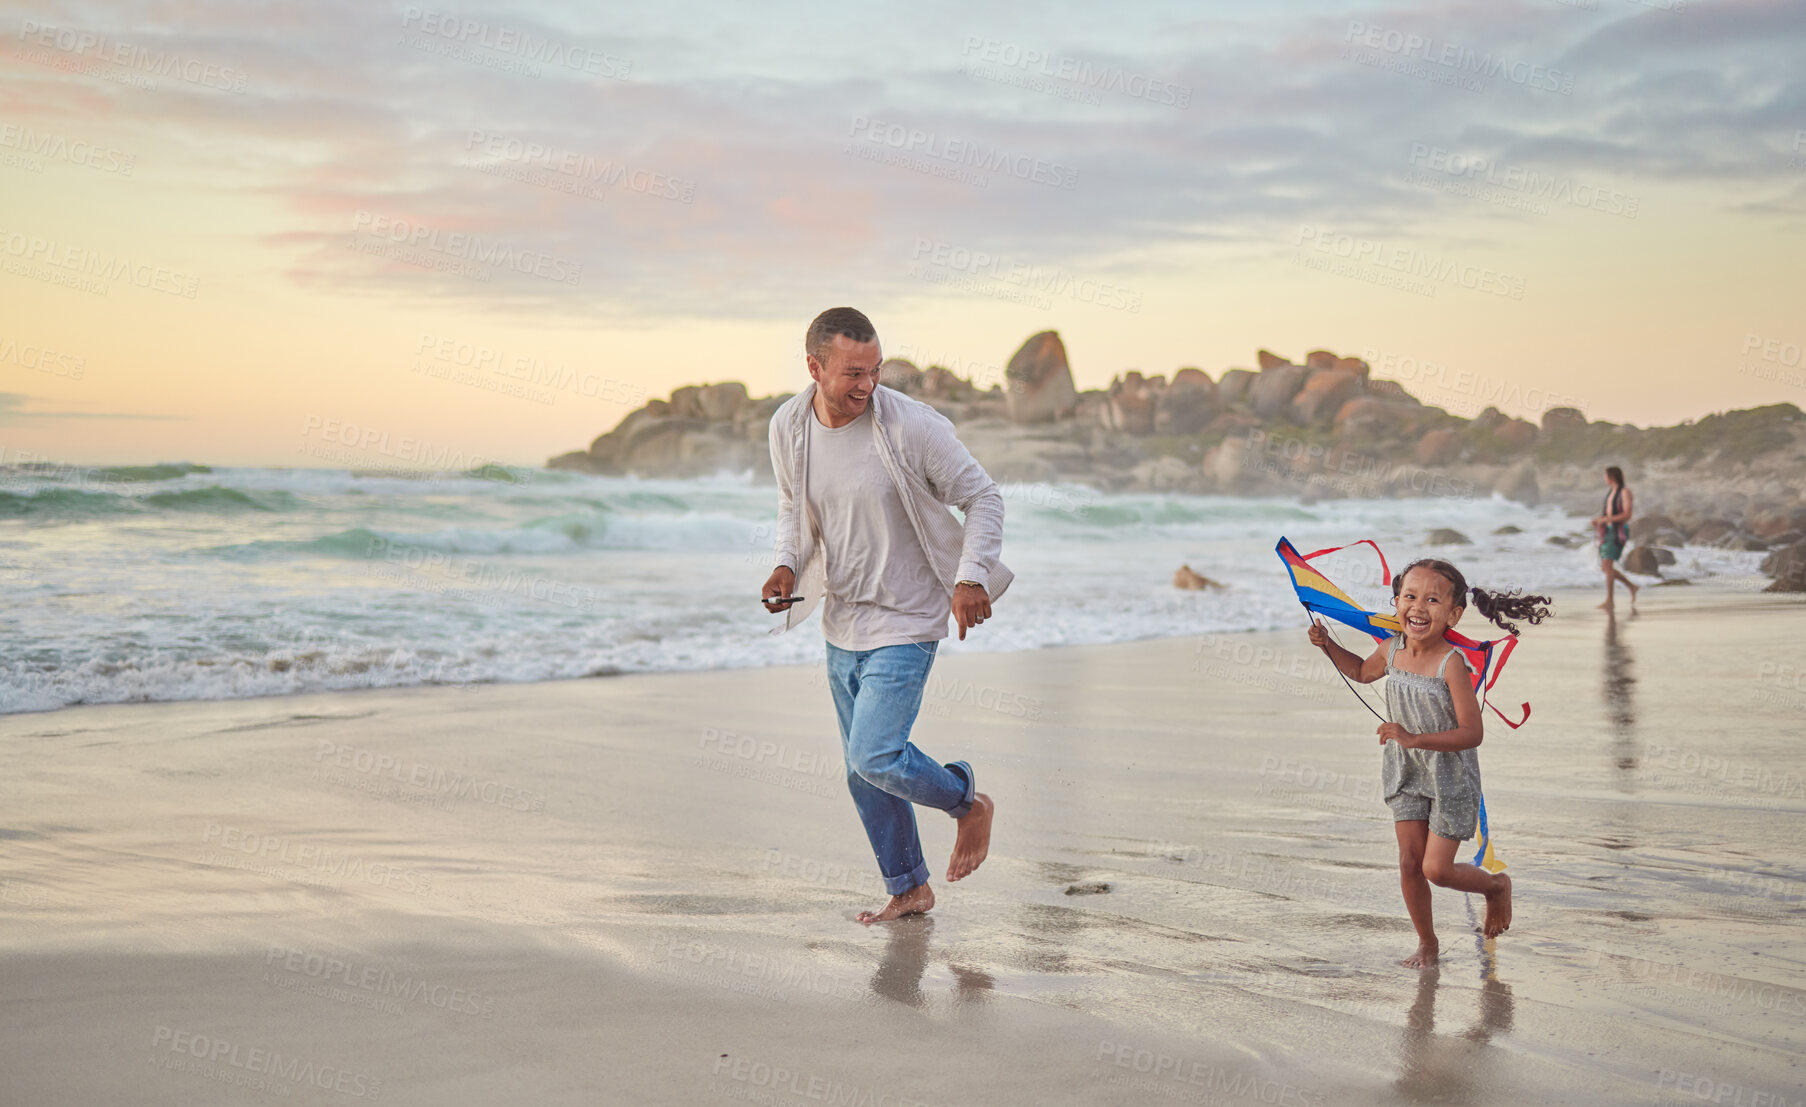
pixel 640 889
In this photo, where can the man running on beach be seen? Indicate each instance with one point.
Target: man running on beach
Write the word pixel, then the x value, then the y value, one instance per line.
pixel 864 476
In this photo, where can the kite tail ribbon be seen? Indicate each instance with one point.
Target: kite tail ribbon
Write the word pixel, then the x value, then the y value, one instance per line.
pixel 1385 571
pixel 1484 856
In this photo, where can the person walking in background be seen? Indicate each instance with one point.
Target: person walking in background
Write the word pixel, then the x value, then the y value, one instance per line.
pixel 864 477
pixel 1613 527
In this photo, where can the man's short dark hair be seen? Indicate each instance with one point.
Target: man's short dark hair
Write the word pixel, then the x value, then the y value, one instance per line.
pixel 836 323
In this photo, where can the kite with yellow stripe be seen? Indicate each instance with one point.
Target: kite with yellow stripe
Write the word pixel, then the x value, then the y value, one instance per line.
pixel 1320 596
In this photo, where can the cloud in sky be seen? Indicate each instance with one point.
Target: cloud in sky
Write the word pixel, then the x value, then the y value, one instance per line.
pixel 14 410
pixel 691 157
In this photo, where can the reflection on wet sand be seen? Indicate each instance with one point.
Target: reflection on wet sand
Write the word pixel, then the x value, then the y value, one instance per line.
pixel 1453 1068
pixel 1618 682
pixel 899 974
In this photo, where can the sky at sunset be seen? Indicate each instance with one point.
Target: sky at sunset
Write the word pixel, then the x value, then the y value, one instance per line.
pixel 362 234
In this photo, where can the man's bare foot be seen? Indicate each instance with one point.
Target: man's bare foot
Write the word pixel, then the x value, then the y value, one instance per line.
pixel 1425 957
pixel 973 841
pixel 917 901
pixel 1498 910
pixel 1606 606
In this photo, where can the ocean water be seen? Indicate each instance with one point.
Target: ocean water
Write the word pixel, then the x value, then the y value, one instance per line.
pixel 179 581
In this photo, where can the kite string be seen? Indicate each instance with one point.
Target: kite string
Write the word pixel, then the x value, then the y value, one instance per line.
pixel 1338 668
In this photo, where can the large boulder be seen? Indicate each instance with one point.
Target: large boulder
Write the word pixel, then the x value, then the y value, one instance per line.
pixel 686 402
pixel 1271 392
pixel 1711 532
pixel 1323 394
pixel 1438 447
pixel 1788 566
pixel 1642 561
pixel 1446 536
pixel 1515 434
pixel 721 402
pixel 1039 381
pixel 940 383
pixel 1233 387
pixel 1269 360
pixel 900 374
pixel 1392 392
pixel 1188 404
pixel 1774 523
pixel 1353 365
pixel 1365 417
pixel 1133 399
pixel 1562 420
pixel 1320 359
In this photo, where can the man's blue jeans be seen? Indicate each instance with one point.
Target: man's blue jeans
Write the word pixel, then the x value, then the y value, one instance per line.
pixel 876 696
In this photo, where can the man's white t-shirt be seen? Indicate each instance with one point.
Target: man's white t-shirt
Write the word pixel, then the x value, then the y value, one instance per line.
pixel 881 589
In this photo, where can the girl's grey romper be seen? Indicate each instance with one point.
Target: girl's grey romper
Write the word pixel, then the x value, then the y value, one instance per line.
pixel 1428 784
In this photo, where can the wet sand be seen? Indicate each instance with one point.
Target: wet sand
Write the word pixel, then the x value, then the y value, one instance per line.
pixel 640 889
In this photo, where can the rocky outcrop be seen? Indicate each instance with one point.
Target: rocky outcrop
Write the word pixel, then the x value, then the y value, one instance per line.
pixel 1233 388
pixel 1438 447
pixel 1323 394
pixel 1187 405
pixel 1270 393
pixel 1324 428
pixel 1444 536
pixel 1131 404
pixel 1563 420
pixel 1040 382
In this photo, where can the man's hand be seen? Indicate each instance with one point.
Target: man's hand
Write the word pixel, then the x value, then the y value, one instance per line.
pixel 1392 732
pixel 1319 635
pixel 780 583
pixel 971 606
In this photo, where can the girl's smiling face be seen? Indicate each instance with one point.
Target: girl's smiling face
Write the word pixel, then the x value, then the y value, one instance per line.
pixel 1427 605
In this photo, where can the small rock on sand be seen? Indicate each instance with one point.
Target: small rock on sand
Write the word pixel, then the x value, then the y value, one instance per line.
pixel 1096 888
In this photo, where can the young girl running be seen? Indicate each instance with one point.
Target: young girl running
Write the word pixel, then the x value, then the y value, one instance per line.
pixel 1430 765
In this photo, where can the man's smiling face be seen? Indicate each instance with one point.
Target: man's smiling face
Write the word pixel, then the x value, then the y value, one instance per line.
pixel 847 379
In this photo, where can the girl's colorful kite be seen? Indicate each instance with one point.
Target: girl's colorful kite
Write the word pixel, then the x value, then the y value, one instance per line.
pixel 1319 595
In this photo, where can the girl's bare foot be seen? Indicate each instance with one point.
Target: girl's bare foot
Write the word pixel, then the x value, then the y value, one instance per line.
pixel 917 901
pixel 973 840
pixel 1498 909
pixel 1425 957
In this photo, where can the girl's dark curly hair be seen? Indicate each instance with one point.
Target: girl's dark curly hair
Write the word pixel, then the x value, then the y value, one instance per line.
pixel 1498 607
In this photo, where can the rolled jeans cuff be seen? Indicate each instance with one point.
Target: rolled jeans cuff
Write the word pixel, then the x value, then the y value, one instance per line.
pixel 897 885
pixel 963 770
